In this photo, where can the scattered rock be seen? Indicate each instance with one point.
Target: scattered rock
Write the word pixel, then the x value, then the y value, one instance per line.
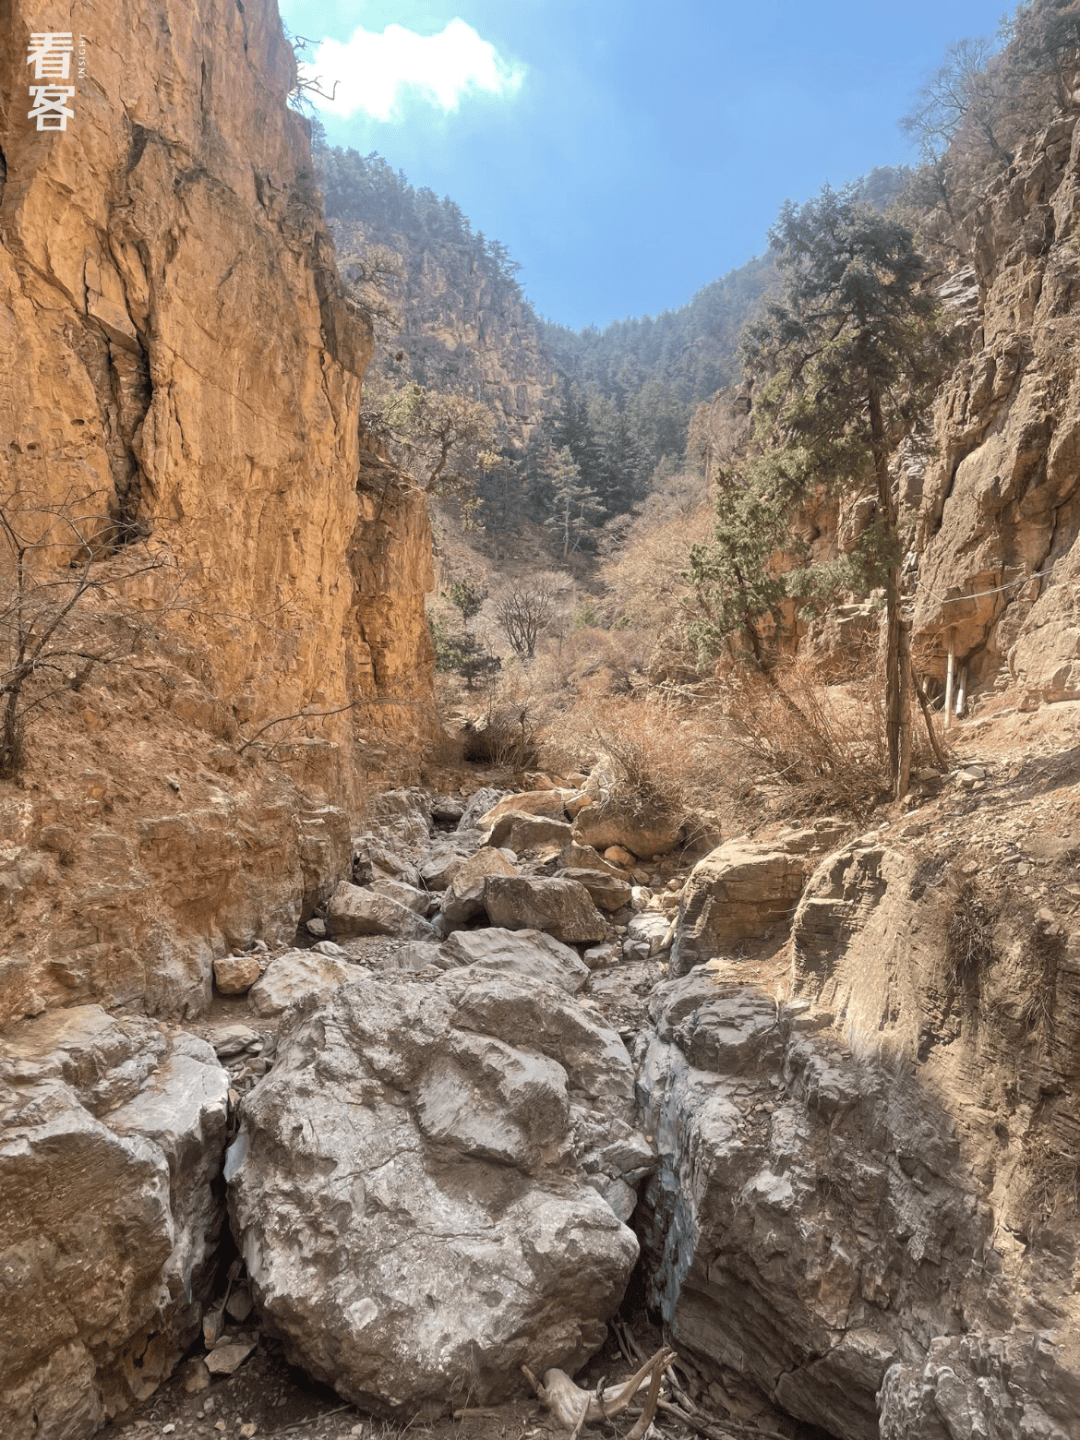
pixel 561 907
pixel 298 975
pixel 234 974
pixel 529 953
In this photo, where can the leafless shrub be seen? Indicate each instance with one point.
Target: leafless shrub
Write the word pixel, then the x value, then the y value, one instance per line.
pixel 524 613
pixel 67 571
pixel 822 745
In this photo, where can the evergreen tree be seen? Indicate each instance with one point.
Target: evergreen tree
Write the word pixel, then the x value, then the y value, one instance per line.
pixel 844 361
pixel 574 506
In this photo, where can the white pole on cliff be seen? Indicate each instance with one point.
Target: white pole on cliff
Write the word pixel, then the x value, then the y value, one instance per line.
pixel 950 680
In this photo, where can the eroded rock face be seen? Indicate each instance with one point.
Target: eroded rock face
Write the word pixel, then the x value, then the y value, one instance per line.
pixel 177 352
pixel 739 891
pixel 113 1137
pixel 415 1187
pixel 1001 506
pixel 995 1387
pixel 811 1221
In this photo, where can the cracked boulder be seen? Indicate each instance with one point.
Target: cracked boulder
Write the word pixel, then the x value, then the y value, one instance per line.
pixel 811 1220
pixel 418 1188
pixel 113 1137
pixel 563 908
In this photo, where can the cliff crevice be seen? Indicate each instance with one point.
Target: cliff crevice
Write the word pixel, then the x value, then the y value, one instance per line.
pixel 181 367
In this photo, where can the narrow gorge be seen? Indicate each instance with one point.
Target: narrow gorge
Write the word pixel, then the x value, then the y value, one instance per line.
pixel 410 1048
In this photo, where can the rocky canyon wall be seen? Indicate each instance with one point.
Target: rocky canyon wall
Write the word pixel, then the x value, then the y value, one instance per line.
pixel 1000 511
pixel 178 356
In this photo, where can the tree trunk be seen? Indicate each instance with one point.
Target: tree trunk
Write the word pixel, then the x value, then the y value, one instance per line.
pixel 903 783
pixel 894 708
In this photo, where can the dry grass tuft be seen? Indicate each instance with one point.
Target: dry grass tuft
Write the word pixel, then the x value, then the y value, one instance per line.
pixel 970 946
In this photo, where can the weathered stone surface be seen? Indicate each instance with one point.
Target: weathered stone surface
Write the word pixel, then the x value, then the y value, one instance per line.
pixel 408 895
pixel 740 891
pixel 561 907
pixel 529 953
pixel 463 899
pixel 298 975
pixel 613 822
pixel 357 910
pixel 606 890
pixel 179 346
pixel 421 1226
pixel 112 1139
pixel 528 832
pixel 994 1387
pixel 548 803
pixel 478 804
pixel 997 524
pixel 233 974
pixel 812 1218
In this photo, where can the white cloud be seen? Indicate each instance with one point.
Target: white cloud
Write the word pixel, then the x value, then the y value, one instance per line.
pixel 374 72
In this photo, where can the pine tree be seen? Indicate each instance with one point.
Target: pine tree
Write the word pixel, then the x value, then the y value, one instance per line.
pixel 574 506
pixel 843 361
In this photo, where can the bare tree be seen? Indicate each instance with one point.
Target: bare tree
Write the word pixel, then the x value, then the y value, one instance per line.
pixel 523 615
pixel 64 570
pixel 965 90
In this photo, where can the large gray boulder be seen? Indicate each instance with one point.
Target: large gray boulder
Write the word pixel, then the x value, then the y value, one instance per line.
pixel 605 890
pixel 358 910
pixel 529 953
pixel 520 832
pixel 463 899
pixel 561 907
pixel 549 803
pixel 299 975
pixel 615 822
pixel 113 1133
pixel 415 1188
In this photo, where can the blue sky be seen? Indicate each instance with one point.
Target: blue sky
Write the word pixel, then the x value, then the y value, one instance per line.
pixel 627 153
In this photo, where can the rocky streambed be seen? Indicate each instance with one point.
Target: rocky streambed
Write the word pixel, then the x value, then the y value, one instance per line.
pixel 502 1071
